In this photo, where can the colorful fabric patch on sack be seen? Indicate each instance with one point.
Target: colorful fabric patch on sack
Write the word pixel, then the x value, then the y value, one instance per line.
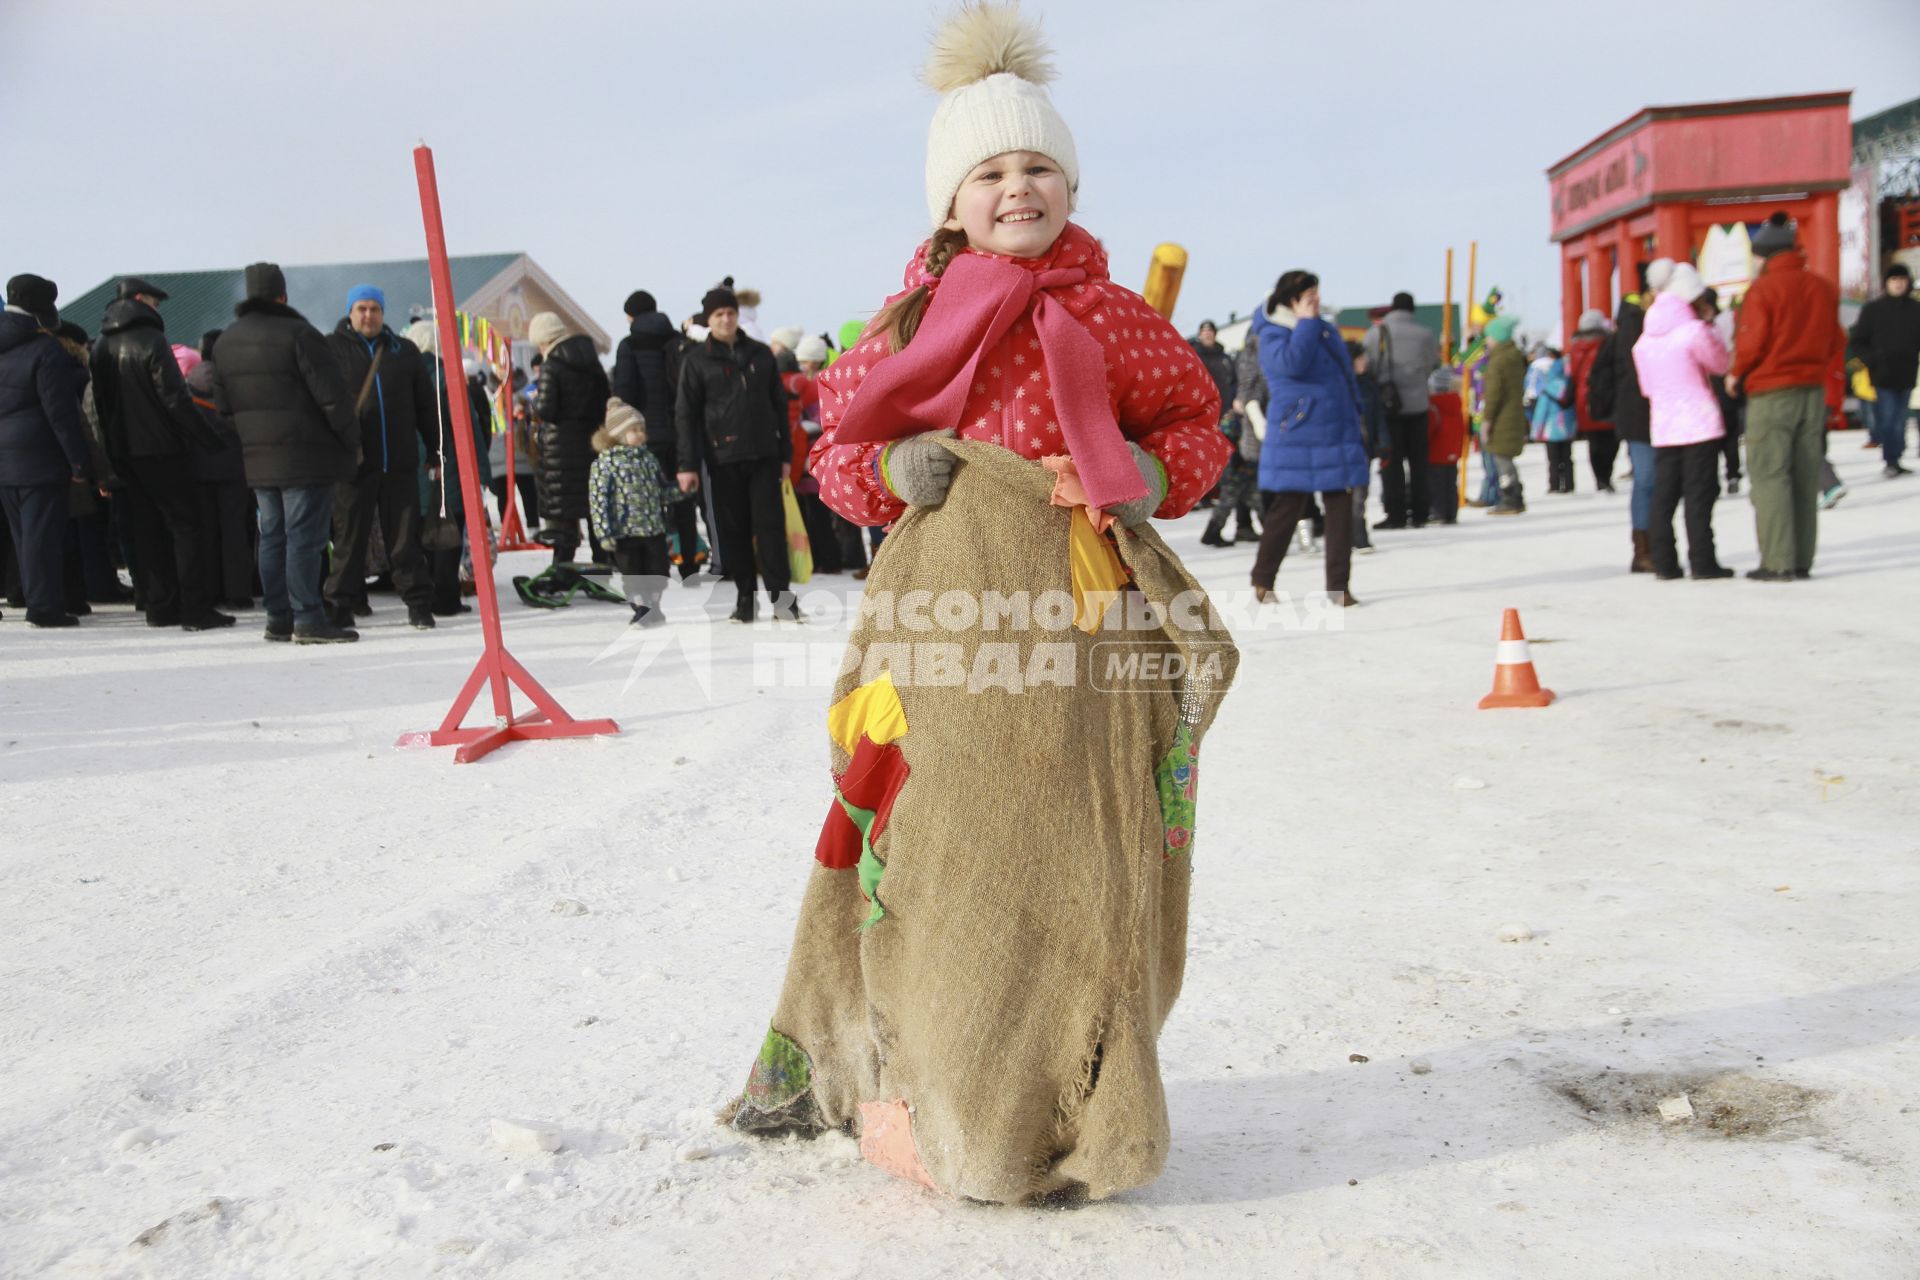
pixel 872 780
pixel 1177 777
pixel 1098 574
pixel 871 868
pixel 886 1140
pixel 873 710
pixel 781 1073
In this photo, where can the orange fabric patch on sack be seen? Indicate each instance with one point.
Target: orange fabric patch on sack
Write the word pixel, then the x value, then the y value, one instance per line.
pixel 886 1140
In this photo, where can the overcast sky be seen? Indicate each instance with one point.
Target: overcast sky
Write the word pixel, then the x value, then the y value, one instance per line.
pixel 662 146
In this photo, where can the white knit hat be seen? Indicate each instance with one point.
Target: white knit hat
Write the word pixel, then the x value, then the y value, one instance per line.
pixel 991 71
pixel 1685 281
pixel 811 350
pixel 422 334
pixel 789 336
pixel 1659 271
pixel 546 331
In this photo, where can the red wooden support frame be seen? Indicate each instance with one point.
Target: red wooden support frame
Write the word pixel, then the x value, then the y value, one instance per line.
pixel 497 668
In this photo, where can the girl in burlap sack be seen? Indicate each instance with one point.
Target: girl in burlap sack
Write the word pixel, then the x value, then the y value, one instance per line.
pixel 996 929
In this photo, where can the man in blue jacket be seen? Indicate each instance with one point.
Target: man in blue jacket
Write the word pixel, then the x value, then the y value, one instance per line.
pixel 399 433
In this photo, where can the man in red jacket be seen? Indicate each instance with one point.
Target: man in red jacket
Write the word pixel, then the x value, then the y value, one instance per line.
pixel 1788 337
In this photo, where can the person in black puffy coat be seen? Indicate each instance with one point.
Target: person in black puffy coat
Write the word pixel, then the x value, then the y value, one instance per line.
pixel 274 376
pixel 43 447
pixel 571 405
pixel 152 432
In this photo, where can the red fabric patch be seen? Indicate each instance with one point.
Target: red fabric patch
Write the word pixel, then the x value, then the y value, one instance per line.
pixel 873 778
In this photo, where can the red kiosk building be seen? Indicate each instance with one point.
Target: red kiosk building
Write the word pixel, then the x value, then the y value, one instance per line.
pixel 1654 185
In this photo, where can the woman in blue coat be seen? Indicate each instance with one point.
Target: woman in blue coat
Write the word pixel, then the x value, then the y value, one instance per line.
pixel 1313 442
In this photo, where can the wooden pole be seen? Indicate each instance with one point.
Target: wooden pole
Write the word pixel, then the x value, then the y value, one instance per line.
pixel 1473 285
pixel 1446 315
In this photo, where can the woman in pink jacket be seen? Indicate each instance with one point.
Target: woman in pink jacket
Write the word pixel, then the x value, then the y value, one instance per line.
pixel 1675 357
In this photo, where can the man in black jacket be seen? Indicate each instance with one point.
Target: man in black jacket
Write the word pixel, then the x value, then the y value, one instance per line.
pixel 641 379
pixel 732 413
pixel 152 428
pixel 43 446
pixel 275 377
pixel 1887 338
pixel 399 432
pixel 1614 395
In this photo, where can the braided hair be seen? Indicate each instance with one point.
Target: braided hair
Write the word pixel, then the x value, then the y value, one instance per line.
pixel 899 321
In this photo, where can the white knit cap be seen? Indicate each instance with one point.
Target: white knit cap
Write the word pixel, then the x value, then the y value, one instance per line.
pixel 788 336
pixel 811 350
pixel 1591 319
pixel 1659 271
pixel 546 330
pixel 422 334
pixel 991 70
pixel 1685 281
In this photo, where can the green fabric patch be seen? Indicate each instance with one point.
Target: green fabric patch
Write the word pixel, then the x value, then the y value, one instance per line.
pixel 871 868
pixel 1176 776
pixel 781 1073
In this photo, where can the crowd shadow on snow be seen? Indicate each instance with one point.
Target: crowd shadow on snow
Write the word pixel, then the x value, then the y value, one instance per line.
pixel 1243 1139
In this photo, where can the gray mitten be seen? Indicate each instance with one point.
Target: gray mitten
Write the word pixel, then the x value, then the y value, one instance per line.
pixel 917 469
pixel 1140 510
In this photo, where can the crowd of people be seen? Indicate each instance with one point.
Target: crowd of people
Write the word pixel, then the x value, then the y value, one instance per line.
pixel 262 461
pixel 271 460
pixel 1675 376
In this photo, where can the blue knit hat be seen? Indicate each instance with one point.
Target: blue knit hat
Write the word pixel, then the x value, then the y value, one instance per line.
pixel 366 293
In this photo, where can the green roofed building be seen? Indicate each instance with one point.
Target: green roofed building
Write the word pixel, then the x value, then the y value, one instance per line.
pixel 509 289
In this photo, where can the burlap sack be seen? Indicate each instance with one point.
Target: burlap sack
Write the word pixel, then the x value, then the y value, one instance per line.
pixel 990 1027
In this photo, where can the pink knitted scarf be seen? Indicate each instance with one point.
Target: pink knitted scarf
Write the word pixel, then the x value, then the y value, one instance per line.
pixel 924 386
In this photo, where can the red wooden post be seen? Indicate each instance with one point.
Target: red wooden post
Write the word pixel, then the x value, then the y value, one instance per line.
pixel 496 668
pixel 1570 299
pixel 1599 277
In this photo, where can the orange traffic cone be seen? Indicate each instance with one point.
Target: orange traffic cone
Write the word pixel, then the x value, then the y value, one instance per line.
pixel 1514 684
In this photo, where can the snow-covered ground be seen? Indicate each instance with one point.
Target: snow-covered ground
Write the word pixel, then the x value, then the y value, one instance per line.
pixel 267 981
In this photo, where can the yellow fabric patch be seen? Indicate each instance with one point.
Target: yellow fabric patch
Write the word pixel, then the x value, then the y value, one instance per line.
pixel 1098 576
pixel 873 709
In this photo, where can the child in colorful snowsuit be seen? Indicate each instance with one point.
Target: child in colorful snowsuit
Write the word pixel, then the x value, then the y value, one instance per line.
pixel 997 926
pixel 1446 441
pixel 1550 416
pixel 627 504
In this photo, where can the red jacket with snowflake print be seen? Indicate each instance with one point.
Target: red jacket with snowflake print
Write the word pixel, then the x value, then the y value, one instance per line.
pixel 1162 396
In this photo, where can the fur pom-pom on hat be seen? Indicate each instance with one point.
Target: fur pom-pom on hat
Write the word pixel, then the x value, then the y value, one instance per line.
pixel 991 68
pixel 984 40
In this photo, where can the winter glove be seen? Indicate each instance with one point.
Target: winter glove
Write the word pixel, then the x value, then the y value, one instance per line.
pixel 1140 510
pixel 917 470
